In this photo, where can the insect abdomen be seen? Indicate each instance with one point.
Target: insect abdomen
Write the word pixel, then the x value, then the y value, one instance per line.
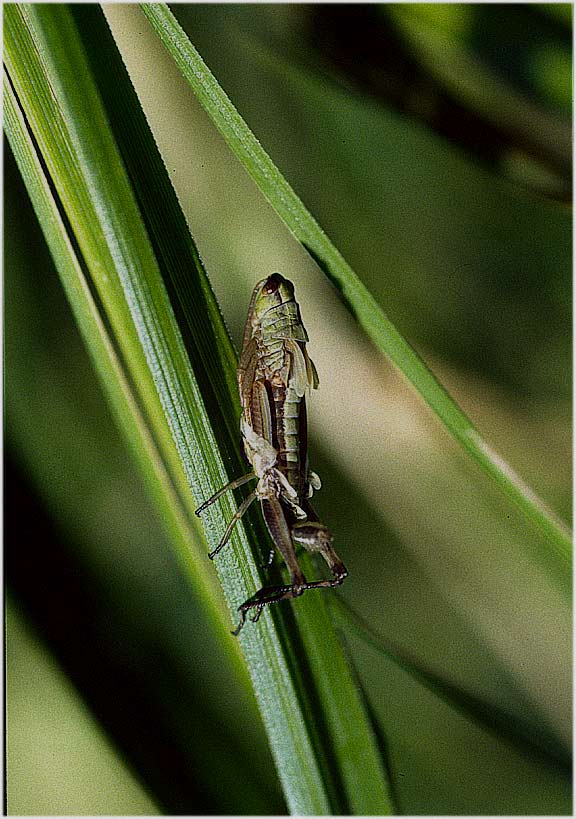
pixel 288 407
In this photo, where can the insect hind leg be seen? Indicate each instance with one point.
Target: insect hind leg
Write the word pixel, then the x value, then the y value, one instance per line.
pixel 339 572
pixel 274 515
pixel 264 597
pixel 274 594
pixel 315 537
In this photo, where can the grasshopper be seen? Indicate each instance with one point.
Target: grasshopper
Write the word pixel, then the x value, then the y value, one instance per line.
pixel 274 371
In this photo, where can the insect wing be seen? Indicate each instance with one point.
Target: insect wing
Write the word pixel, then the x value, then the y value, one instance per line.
pixel 260 411
pixel 246 374
pixel 248 329
pixel 298 377
pixel 311 371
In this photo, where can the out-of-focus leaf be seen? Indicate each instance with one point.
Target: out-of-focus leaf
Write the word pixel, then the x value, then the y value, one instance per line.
pixel 46 720
pixel 488 715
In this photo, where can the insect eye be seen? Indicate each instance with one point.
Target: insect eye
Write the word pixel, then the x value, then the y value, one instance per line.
pixel 273 282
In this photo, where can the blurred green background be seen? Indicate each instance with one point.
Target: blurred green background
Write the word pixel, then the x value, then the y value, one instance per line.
pixel 433 143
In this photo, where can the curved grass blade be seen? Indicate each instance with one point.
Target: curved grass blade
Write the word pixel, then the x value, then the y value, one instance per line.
pixel 355 295
pixel 488 715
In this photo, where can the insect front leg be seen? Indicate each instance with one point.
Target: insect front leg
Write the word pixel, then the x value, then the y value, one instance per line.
pixel 232 485
pixel 226 536
pixel 242 509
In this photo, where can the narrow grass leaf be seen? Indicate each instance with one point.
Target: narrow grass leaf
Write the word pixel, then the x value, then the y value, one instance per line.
pixel 490 716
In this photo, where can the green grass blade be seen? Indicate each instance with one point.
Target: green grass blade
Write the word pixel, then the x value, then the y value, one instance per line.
pixel 59 153
pixel 104 357
pixel 54 88
pixel 213 357
pixel 357 298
